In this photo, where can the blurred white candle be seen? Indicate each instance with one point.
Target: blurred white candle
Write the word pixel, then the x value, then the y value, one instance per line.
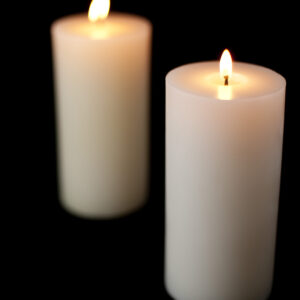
pixel 223 164
pixel 101 72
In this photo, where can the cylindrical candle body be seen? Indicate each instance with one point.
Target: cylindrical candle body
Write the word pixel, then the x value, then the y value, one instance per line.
pixel 223 163
pixel 102 97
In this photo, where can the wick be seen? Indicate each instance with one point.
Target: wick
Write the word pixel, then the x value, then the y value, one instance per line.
pixel 99 22
pixel 102 21
pixel 226 79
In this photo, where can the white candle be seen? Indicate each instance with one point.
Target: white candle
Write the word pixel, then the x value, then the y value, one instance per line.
pixel 223 164
pixel 102 73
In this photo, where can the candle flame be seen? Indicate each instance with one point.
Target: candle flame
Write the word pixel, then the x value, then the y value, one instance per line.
pixel 99 10
pixel 226 66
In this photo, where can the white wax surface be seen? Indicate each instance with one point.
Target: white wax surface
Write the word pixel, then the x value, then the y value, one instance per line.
pixel 248 81
pixel 223 164
pixel 116 27
pixel 102 96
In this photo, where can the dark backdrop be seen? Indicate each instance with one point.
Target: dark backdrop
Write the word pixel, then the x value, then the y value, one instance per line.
pixel 60 254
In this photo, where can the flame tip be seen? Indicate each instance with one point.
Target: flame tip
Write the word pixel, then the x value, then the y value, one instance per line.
pixel 226 65
pixel 99 10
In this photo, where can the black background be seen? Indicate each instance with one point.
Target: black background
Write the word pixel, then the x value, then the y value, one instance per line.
pixel 58 254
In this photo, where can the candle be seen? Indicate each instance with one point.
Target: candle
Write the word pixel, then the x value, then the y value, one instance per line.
pixel 224 134
pixel 101 76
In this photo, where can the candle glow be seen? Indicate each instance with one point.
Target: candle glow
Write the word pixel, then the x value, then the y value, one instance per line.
pixel 226 66
pixel 102 100
pixel 223 164
pixel 99 10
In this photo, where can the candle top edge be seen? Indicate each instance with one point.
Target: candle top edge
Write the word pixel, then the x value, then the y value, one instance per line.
pixel 116 26
pixel 249 81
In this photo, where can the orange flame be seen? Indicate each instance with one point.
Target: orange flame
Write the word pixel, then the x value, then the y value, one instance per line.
pixel 99 10
pixel 226 66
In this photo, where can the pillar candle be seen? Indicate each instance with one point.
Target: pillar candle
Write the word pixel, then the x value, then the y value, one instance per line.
pixel 223 164
pixel 101 77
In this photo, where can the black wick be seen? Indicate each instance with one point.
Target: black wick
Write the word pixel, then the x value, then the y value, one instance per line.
pixel 226 80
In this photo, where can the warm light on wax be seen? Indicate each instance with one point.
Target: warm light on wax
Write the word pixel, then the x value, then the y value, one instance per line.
pixel 223 166
pixel 101 74
pixel 99 10
pixel 226 66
